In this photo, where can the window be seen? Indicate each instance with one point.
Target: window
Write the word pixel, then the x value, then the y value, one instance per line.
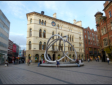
pixel 44 45
pixel 58 34
pixel 39 21
pixel 79 44
pixel 30 32
pixel 52 47
pixel 105 42
pixel 68 37
pixel 44 34
pixel 40 45
pixel 85 31
pixel 53 34
pixel 109 14
pixel 62 47
pixel 57 26
pixel 79 38
pixel 42 22
pixel 40 33
pixel 30 21
pixel 85 36
pixel 72 38
pixel 61 34
pixel 45 23
pixel 29 45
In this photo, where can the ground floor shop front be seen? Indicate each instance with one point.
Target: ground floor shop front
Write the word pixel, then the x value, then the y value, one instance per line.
pixel 35 56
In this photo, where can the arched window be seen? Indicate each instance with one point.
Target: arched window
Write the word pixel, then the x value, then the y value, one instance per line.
pixel 70 37
pixel 68 47
pixel 39 21
pixel 30 21
pixel 52 47
pixel 29 45
pixel 44 45
pixel 58 34
pixel 30 32
pixel 73 48
pixel 70 55
pixel 42 22
pixel 61 34
pixel 40 33
pixel 45 23
pixel 40 45
pixel 44 34
pixel 52 34
pixel 62 47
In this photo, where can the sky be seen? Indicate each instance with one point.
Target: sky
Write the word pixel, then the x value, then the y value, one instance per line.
pixel 67 11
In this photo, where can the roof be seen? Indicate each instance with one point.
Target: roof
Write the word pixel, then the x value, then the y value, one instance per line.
pixel 52 18
pixel 107 5
pixel 98 13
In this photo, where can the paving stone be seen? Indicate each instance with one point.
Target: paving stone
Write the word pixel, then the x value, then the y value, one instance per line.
pixel 91 73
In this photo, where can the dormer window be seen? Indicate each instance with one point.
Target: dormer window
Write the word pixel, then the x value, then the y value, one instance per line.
pixel 30 21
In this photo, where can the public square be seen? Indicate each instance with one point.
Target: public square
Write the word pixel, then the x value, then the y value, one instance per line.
pixel 91 73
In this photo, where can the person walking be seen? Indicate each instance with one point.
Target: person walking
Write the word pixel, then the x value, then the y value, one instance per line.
pixel 96 59
pixel 6 63
pixel 88 59
pixel 108 60
pixel 28 62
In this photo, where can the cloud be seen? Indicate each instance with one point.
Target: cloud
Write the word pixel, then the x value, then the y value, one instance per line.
pixel 17 8
pixel 19 39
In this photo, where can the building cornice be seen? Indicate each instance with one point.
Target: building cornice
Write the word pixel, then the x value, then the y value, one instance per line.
pixel 31 13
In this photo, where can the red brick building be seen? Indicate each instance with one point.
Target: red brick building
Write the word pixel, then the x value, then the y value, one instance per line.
pixel 104 28
pixel 91 43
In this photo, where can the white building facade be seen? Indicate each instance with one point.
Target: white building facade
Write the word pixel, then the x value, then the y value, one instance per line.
pixel 40 29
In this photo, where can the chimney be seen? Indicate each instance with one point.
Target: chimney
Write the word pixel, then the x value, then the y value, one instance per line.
pixel 54 15
pixel 42 12
pixel 74 21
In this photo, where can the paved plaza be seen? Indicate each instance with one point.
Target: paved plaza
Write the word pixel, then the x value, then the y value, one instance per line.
pixel 91 73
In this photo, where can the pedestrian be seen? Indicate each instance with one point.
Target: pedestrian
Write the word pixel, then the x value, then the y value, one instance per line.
pixel 40 62
pixel 28 62
pixel 57 63
pixel 88 59
pixel 6 62
pixel 43 61
pixel 96 59
pixel 19 61
pixel 108 60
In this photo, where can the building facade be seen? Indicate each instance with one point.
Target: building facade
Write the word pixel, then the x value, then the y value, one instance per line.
pixel 10 48
pixel 91 44
pixel 4 36
pixel 104 28
pixel 41 27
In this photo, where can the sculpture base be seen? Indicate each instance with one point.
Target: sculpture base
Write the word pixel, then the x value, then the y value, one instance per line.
pixel 62 65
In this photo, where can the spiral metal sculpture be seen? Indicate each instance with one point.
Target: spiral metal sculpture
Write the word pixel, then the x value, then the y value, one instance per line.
pixel 49 44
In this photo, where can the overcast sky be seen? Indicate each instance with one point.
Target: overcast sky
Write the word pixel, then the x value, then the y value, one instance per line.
pixel 16 11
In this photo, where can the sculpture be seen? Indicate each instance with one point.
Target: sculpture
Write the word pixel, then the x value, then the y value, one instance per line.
pixel 49 44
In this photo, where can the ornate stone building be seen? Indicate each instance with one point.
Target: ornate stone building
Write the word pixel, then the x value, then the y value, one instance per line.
pixel 41 27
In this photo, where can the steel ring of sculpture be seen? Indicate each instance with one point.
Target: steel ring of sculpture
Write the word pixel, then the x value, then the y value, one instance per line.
pixel 49 44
